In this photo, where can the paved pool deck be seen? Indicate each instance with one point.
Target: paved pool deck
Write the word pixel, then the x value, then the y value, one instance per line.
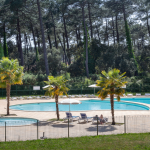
pixel 43 116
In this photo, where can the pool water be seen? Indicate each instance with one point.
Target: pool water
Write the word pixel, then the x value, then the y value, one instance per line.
pixel 145 100
pixel 16 121
pixel 84 106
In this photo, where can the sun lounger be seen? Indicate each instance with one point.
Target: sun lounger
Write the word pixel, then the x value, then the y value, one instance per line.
pixel 129 94
pixel 72 96
pixel 104 120
pixel 38 97
pixel 138 94
pixel 124 95
pixel 80 96
pixel 70 117
pixel 93 96
pixel 147 94
pixel 84 117
pixel 64 96
pixel 14 98
pixel 29 97
pixel 20 98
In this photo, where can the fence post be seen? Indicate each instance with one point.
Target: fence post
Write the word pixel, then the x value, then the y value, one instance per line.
pixel 81 89
pixel 37 130
pixel 124 124
pixel 68 128
pixel 5 131
pixel 97 124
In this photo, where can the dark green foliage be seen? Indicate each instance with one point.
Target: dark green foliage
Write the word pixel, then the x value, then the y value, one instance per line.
pixel 5 46
pixel 1 52
pixel 77 68
pixel 37 55
pixel 129 44
pixel 31 79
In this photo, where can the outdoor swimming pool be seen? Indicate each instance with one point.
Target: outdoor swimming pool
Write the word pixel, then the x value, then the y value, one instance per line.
pixel 16 121
pixel 145 100
pixel 84 106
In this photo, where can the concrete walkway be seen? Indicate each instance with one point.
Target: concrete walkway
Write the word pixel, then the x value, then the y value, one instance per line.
pixel 135 121
pixel 43 116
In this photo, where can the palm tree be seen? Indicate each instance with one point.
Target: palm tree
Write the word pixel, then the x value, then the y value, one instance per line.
pixel 111 83
pixel 57 87
pixel 10 74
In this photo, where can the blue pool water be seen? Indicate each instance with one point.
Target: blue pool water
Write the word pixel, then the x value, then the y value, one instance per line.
pixel 145 100
pixel 85 105
pixel 16 121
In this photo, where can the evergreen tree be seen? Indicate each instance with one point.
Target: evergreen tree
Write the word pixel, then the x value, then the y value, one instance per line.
pixel 5 46
pixel 1 52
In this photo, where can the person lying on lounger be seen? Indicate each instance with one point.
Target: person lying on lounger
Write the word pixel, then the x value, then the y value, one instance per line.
pixel 102 119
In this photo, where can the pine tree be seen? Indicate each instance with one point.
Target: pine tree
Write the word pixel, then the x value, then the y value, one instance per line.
pixel 5 46
pixel 37 55
pixel 1 52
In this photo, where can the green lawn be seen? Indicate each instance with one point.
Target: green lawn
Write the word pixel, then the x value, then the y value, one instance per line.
pixel 107 142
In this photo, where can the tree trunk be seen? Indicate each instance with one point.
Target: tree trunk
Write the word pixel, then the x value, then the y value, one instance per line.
pixel 148 24
pixel 107 33
pixel 76 34
pixel 113 30
pixel 79 35
pixel 8 96
pixel 89 10
pixel 56 45
pixel 57 109
pixel 43 38
pixel 86 47
pixel 124 13
pixel 66 35
pixel 19 41
pixel 49 39
pixel 62 47
pixel 98 34
pixel 112 107
pixel 34 38
pixel 38 39
pixel 117 29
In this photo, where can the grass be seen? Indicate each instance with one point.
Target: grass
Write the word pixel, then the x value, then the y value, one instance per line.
pixel 106 142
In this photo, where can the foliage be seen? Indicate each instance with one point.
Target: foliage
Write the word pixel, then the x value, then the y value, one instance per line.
pixel 111 83
pixel 10 72
pixel 54 63
pixel 31 79
pixel 57 87
pixel 129 44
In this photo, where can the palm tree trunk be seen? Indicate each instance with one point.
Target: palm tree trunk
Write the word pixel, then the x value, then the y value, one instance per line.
pixel 8 96
pixel 57 109
pixel 112 107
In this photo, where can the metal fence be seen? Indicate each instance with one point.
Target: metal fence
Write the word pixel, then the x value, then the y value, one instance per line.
pixel 60 129
pixel 26 90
